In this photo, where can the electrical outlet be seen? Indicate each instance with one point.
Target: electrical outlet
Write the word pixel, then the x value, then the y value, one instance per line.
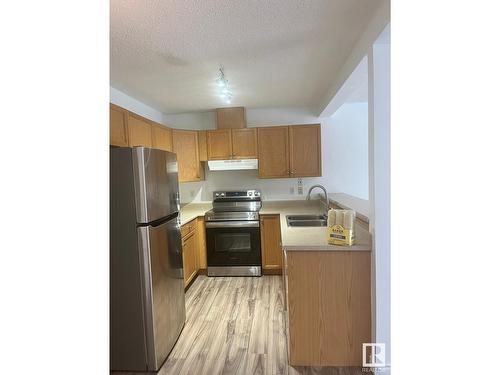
pixel 300 187
pixel 191 193
pixel 292 190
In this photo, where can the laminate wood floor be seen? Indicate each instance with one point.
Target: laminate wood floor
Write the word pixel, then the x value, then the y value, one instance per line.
pixel 236 325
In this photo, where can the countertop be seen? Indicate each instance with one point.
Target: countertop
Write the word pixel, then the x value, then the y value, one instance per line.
pixel 192 210
pixel 310 238
pixel 292 238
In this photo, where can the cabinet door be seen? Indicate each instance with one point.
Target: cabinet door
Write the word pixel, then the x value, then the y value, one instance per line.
pixel 333 284
pixel 189 257
pixel 244 143
pixel 185 145
pixel 202 145
pixel 202 244
pixel 139 131
pixel 118 134
pixel 162 138
pixel 273 152
pixel 305 150
pixel 231 118
pixel 219 144
pixel 270 237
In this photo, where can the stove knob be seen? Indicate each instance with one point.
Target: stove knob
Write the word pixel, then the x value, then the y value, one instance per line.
pixel 216 194
pixel 257 193
pixel 222 194
pixel 250 193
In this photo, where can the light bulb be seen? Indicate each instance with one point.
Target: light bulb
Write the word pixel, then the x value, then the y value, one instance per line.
pixel 220 82
pixel 225 90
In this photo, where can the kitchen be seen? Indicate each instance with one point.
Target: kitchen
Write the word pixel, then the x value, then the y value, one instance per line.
pixel 253 283
pixel 249 187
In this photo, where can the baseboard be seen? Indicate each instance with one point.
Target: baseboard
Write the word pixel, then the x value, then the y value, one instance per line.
pixel 275 271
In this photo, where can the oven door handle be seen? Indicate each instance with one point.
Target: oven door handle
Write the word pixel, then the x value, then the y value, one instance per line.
pixel 232 224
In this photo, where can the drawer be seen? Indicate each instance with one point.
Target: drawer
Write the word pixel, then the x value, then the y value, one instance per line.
pixel 188 228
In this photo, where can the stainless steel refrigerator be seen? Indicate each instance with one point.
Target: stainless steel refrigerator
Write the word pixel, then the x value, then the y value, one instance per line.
pixel 147 287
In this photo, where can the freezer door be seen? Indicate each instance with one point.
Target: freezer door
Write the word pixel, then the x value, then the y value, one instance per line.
pixel 164 307
pixel 156 183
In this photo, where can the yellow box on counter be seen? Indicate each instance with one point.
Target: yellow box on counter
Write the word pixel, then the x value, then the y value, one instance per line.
pixel 341 227
pixel 338 235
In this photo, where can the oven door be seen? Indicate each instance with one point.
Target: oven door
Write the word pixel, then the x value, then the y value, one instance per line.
pixel 233 243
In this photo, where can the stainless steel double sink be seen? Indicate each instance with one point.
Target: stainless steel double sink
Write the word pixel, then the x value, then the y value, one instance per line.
pixel 306 220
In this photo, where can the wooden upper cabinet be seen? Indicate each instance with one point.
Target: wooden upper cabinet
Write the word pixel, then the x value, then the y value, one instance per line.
pixel 270 238
pixel 231 118
pixel 139 131
pixel 244 143
pixel 162 137
pixel 185 145
pixel 202 145
pixel 273 152
pixel 305 150
pixel 118 133
pixel 219 144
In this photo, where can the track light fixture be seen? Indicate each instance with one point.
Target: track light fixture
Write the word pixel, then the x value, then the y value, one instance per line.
pixel 223 86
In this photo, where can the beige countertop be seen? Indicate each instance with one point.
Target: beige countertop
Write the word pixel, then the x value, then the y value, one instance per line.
pixel 310 238
pixel 192 210
pixel 292 238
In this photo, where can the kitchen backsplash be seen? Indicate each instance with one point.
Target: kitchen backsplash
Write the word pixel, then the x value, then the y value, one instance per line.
pixel 272 189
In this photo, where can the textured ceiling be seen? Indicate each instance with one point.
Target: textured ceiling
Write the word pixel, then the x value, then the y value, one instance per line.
pixel 280 53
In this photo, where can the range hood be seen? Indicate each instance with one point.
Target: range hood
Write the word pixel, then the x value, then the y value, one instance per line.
pixel 233 165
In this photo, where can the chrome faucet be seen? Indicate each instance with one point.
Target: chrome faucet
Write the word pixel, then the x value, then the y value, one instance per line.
pixel 324 191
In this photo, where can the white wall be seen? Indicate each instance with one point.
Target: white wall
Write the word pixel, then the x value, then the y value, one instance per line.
pixel 379 58
pixel 349 149
pixel 193 121
pixel 123 100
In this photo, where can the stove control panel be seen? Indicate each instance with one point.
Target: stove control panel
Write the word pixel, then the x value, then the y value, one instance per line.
pixel 254 193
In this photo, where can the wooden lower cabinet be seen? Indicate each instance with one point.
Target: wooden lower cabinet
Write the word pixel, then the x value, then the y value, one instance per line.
pixel 270 243
pixel 328 306
pixel 202 244
pixel 189 252
pixel 194 252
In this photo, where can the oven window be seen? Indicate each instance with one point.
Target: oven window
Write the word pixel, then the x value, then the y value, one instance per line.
pixel 233 242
